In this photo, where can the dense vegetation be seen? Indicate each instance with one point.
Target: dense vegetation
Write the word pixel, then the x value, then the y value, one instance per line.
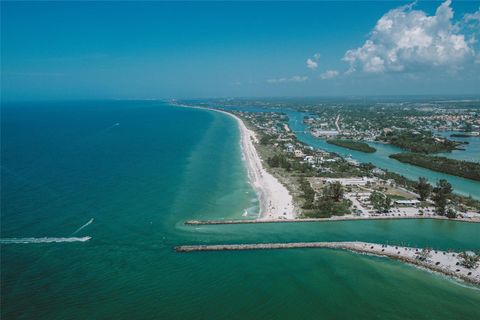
pixel 380 202
pixel 423 142
pixel 465 169
pixel 352 144
pixel 441 195
pixel 329 203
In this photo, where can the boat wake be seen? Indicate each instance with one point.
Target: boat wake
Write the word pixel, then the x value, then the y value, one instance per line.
pixel 43 240
pixel 85 225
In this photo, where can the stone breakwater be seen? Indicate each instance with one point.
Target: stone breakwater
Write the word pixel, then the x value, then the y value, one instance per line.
pixel 336 218
pixel 447 263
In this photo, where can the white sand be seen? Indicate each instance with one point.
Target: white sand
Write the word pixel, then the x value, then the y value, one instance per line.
pixel 275 200
pixel 440 261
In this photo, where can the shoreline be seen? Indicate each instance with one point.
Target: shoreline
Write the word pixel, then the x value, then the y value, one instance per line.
pixel 446 263
pixel 275 200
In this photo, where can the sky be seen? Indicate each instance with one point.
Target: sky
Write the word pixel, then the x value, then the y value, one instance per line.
pixel 155 50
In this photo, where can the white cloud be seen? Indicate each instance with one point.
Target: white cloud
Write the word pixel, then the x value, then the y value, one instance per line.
pixel 406 40
pixel 291 79
pixel 311 64
pixel 329 74
pixel 473 18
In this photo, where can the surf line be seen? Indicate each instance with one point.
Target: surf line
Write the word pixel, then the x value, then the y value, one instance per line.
pixel 43 240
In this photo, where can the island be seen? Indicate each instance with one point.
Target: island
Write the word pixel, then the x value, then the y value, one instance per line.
pixel 419 141
pixel 353 145
pixel 463 135
pixel 460 168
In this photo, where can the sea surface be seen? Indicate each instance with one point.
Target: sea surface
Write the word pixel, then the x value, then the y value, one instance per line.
pixel 139 169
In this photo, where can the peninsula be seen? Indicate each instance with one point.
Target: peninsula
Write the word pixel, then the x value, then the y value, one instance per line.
pixel 293 180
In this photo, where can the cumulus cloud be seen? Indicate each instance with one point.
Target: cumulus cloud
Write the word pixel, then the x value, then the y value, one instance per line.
pixel 329 74
pixel 405 40
pixel 311 64
pixel 291 79
pixel 473 19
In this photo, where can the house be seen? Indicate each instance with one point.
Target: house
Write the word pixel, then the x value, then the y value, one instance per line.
pixel 309 159
pixel 350 181
pixel 378 171
pixel 299 154
pixel 289 147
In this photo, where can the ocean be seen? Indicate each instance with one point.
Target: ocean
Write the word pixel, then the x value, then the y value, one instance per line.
pixel 139 169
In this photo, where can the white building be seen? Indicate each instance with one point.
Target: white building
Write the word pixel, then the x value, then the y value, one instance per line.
pixel 407 203
pixel 350 181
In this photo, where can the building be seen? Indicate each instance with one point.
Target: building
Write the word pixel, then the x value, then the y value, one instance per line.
pixel 350 181
pixel 299 154
pixel 407 203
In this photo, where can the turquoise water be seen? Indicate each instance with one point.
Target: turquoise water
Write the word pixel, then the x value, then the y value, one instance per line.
pixel 380 159
pixel 66 163
pixel 471 152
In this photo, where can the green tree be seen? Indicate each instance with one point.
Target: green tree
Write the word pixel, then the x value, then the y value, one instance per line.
pixel 423 188
pixel 308 193
pixel 333 191
pixel 387 204
pixel 380 202
pixel 451 214
pixel 442 193
pixel 469 259
pixel 376 199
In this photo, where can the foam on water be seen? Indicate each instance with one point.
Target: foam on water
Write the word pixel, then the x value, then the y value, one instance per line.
pixel 43 240
pixel 85 225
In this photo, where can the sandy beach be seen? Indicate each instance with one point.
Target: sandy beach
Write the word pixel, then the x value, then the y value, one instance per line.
pixel 276 202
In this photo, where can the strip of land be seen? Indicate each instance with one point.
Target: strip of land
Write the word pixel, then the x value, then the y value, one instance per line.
pixel 353 145
pixel 448 263
pixel 459 168
pixel 276 202
pixel 331 219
